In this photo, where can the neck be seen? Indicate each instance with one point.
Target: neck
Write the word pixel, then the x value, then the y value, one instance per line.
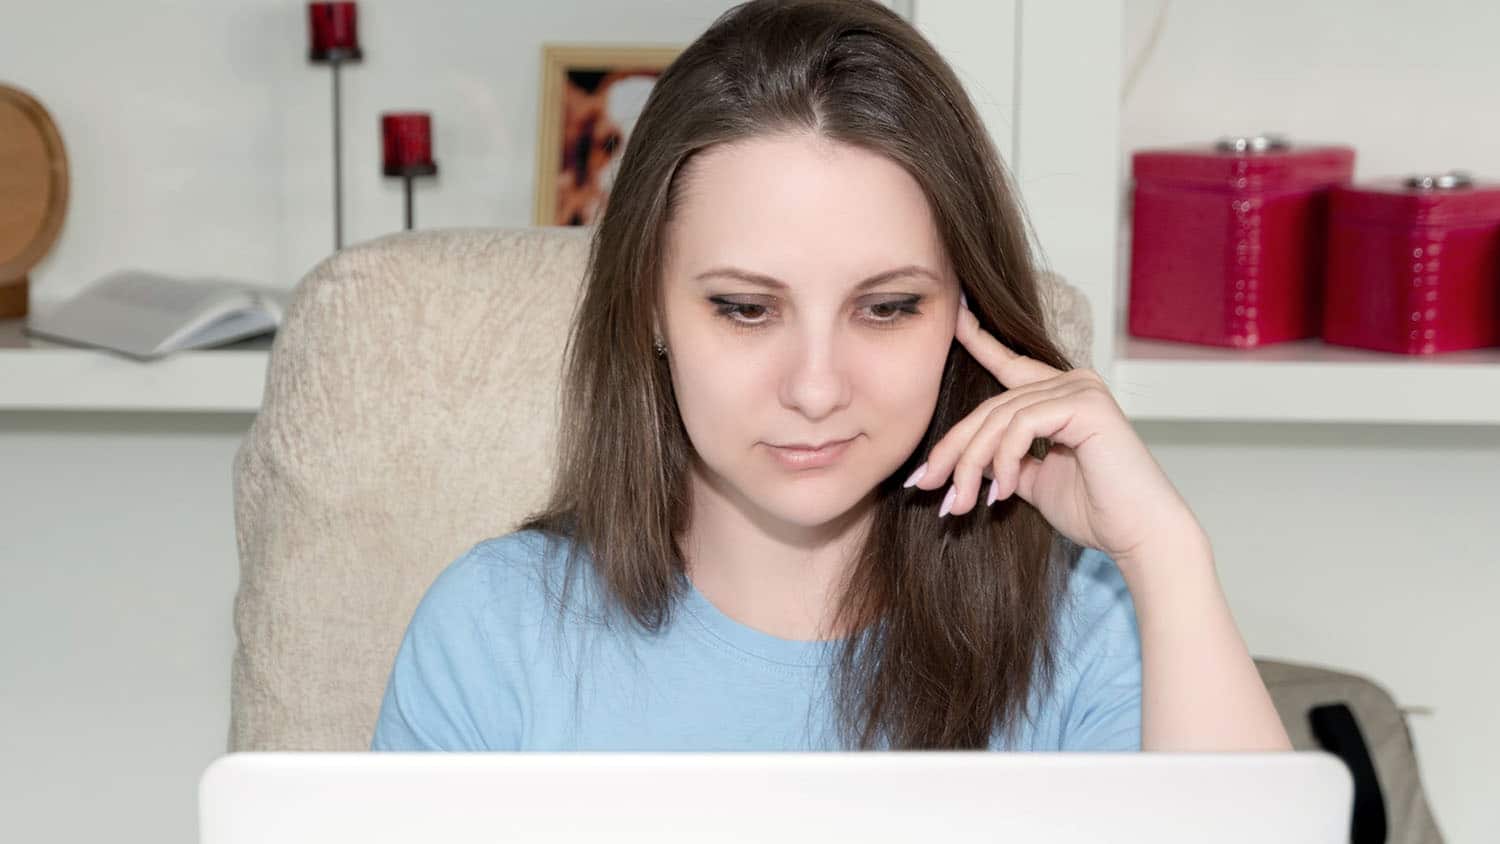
pixel 777 578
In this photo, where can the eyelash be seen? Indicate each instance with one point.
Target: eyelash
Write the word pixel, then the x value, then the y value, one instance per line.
pixel 905 309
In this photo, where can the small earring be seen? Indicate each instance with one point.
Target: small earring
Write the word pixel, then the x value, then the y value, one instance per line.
pixel 661 351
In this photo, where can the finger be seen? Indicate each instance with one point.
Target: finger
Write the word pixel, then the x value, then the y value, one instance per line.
pixel 944 455
pixel 982 451
pixel 1049 418
pixel 1012 368
pixel 1015 445
pixel 1030 467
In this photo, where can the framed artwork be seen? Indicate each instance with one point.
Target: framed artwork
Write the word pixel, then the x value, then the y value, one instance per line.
pixel 591 97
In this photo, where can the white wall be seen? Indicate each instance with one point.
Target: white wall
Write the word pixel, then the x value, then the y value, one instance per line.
pixel 117 580
pixel 200 143
pixel 1370 548
pixel 1412 86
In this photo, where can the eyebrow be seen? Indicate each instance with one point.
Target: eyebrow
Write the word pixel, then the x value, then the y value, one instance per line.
pixel 766 281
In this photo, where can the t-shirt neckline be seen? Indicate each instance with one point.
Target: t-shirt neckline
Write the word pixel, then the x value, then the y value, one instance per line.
pixel 757 643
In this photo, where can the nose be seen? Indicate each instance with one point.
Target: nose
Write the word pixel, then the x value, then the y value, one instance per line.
pixel 815 381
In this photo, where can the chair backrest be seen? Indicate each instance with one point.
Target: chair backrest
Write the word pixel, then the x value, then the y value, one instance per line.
pixel 410 411
pixel 1374 741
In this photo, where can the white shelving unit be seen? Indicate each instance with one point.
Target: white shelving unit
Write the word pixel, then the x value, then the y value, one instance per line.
pixel 1304 381
pixel 37 374
pixel 1298 381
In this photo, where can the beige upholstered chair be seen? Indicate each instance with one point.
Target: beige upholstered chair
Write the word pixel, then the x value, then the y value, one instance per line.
pixel 409 412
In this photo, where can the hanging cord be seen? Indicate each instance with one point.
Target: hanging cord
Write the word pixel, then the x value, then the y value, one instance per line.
pixel 1132 76
pixel 1147 50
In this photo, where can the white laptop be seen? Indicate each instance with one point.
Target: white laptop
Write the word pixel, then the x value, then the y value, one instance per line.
pixel 785 798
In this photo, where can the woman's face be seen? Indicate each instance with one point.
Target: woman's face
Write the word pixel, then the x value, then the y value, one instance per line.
pixel 823 357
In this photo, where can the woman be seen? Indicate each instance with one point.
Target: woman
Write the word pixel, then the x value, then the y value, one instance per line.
pixel 811 240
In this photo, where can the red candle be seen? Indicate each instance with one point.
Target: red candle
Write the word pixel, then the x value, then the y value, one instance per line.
pixel 334 28
pixel 408 140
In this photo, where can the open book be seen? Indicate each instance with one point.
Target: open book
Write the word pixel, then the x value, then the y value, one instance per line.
pixel 147 315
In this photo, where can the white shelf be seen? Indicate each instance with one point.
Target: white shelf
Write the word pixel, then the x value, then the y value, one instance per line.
pixel 1304 381
pixel 37 374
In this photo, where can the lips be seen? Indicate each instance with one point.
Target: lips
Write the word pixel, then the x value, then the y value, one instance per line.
pixel 810 458
pixel 807 447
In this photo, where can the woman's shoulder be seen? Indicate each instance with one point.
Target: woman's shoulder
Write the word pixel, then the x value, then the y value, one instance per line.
pixel 521 557
pixel 500 572
pixel 520 552
pixel 1096 579
pixel 1098 612
pixel 1096 702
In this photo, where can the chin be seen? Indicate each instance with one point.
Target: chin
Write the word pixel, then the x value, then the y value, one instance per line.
pixel 809 500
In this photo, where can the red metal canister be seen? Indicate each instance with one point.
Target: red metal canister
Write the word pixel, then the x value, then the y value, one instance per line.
pixel 1228 240
pixel 1414 265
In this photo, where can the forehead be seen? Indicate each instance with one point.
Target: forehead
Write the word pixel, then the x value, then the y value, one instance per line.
pixel 803 209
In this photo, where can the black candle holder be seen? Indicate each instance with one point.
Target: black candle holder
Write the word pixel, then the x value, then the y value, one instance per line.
pixel 334 57
pixel 407 172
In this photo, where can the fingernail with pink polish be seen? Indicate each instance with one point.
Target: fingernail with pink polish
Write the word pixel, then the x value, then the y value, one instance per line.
pixel 963 300
pixel 994 492
pixel 948 501
pixel 915 476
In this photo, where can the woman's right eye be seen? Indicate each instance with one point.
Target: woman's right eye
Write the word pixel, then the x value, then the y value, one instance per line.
pixel 741 314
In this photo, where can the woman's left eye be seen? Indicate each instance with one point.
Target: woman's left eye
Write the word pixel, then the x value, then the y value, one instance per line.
pixel 751 315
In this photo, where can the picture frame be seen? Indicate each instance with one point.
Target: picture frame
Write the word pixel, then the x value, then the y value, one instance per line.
pixel 591 95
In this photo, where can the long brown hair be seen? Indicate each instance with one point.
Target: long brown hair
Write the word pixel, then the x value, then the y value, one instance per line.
pixel 961 610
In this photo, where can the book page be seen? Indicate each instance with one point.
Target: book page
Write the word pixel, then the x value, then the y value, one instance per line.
pixel 146 315
pixel 157 292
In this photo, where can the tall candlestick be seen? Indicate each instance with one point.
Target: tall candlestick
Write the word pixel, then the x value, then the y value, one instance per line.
pixel 333 38
pixel 332 28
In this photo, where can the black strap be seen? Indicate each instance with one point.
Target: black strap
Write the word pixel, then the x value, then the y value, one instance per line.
pixel 1336 730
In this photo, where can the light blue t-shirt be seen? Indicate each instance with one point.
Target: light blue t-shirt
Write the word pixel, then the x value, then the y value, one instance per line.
pixel 485 665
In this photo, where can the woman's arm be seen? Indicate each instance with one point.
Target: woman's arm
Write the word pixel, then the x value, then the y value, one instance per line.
pixel 1100 486
pixel 1200 690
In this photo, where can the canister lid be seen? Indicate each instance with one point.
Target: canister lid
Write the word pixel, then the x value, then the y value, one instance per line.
pixel 1264 142
pixel 1452 198
pixel 1267 161
pixel 1451 180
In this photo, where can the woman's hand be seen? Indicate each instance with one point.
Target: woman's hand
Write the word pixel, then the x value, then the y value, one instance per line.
pixel 1098 484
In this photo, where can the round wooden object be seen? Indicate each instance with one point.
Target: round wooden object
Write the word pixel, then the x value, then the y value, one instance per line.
pixel 33 193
